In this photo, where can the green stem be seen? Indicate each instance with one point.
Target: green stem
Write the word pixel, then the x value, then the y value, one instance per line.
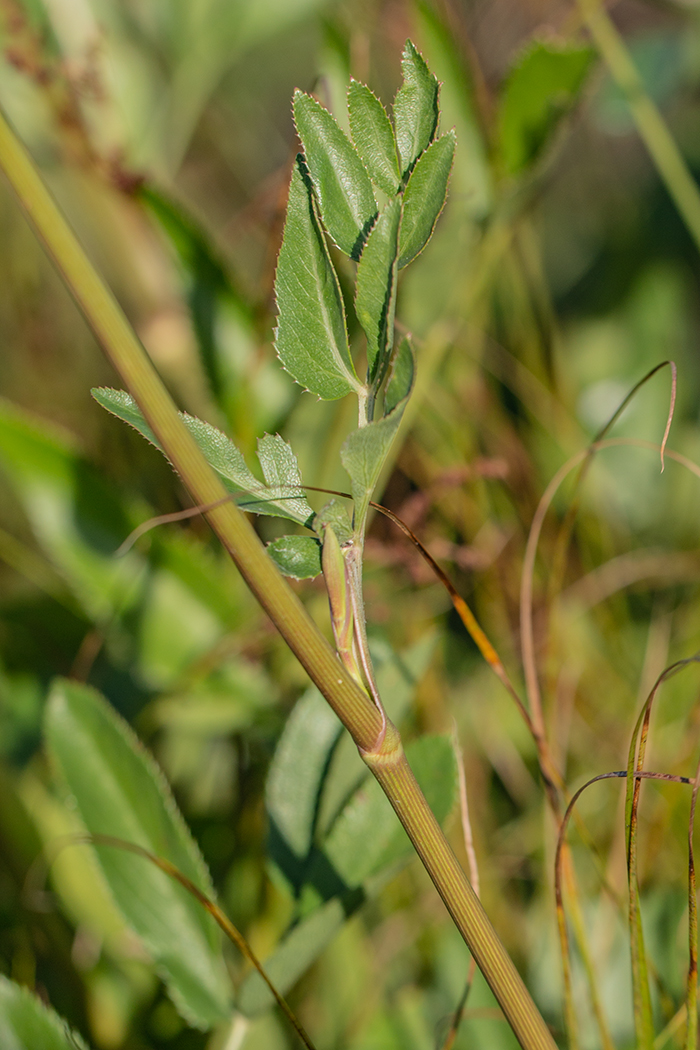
pixel 651 126
pixel 355 709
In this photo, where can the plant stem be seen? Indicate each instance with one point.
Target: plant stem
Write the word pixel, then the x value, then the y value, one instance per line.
pixel 355 709
pixel 651 126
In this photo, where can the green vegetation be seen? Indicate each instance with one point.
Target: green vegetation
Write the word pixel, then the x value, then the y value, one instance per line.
pixel 489 379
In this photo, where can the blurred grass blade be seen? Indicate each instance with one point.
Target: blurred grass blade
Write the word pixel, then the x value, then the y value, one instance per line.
pixel 539 89
pixel 339 177
pixel 373 136
pixel 311 338
pixel 415 108
pixel 27 1024
pixel 424 197
pixel 119 791
pixel 375 297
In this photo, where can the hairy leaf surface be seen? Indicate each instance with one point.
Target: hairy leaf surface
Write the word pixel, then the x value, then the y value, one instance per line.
pixel 425 196
pixel 373 136
pixel 26 1024
pixel 343 187
pixel 311 339
pixel 375 298
pixel 415 107
pixel 296 556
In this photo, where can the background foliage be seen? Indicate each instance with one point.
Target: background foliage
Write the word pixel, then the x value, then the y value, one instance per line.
pixel 559 274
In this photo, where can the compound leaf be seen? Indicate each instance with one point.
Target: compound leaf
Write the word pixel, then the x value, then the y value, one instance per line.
pixel 221 454
pixel 373 136
pixel 311 338
pixel 119 791
pixel 424 197
pixel 342 185
pixel 415 107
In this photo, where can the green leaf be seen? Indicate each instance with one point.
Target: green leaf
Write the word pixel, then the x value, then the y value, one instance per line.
pixel 221 453
pixel 415 107
pixel 76 516
pixel 342 185
pixel 295 778
pixel 373 136
pixel 281 472
pixel 26 1024
pixel 334 513
pixel 311 339
pixel 402 374
pixel 375 298
pixel 119 791
pixel 363 453
pixel 367 837
pixel 296 556
pixel 540 88
pixel 425 196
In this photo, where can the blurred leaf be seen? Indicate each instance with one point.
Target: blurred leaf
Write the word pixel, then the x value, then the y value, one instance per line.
pixel 311 338
pixel 402 375
pixel 367 836
pixel 373 136
pixel 342 185
pixel 365 839
pixel 76 517
pixel 221 453
pixel 119 791
pixel 296 556
pixel 26 1024
pixel 539 89
pixel 293 957
pixel 295 777
pixel 226 701
pixel 424 197
pixel 415 107
pixel 375 297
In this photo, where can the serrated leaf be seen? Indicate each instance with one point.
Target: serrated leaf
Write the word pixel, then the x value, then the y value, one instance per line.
pixel 375 298
pixel 415 107
pixel 26 1024
pixel 367 836
pixel 339 177
pixel 281 472
pixel 540 88
pixel 221 454
pixel 373 136
pixel 296 556
pixel 334 513
pixel 402 375
pixel 363 453
pixel 424 197
pixel 119 791
pixel 311 339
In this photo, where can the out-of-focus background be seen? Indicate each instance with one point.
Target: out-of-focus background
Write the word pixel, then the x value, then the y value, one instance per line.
pixel 560 273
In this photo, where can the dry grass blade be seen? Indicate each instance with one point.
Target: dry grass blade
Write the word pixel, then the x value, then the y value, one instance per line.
pixel 560 855
pixel 691 1037
pixel 216 913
